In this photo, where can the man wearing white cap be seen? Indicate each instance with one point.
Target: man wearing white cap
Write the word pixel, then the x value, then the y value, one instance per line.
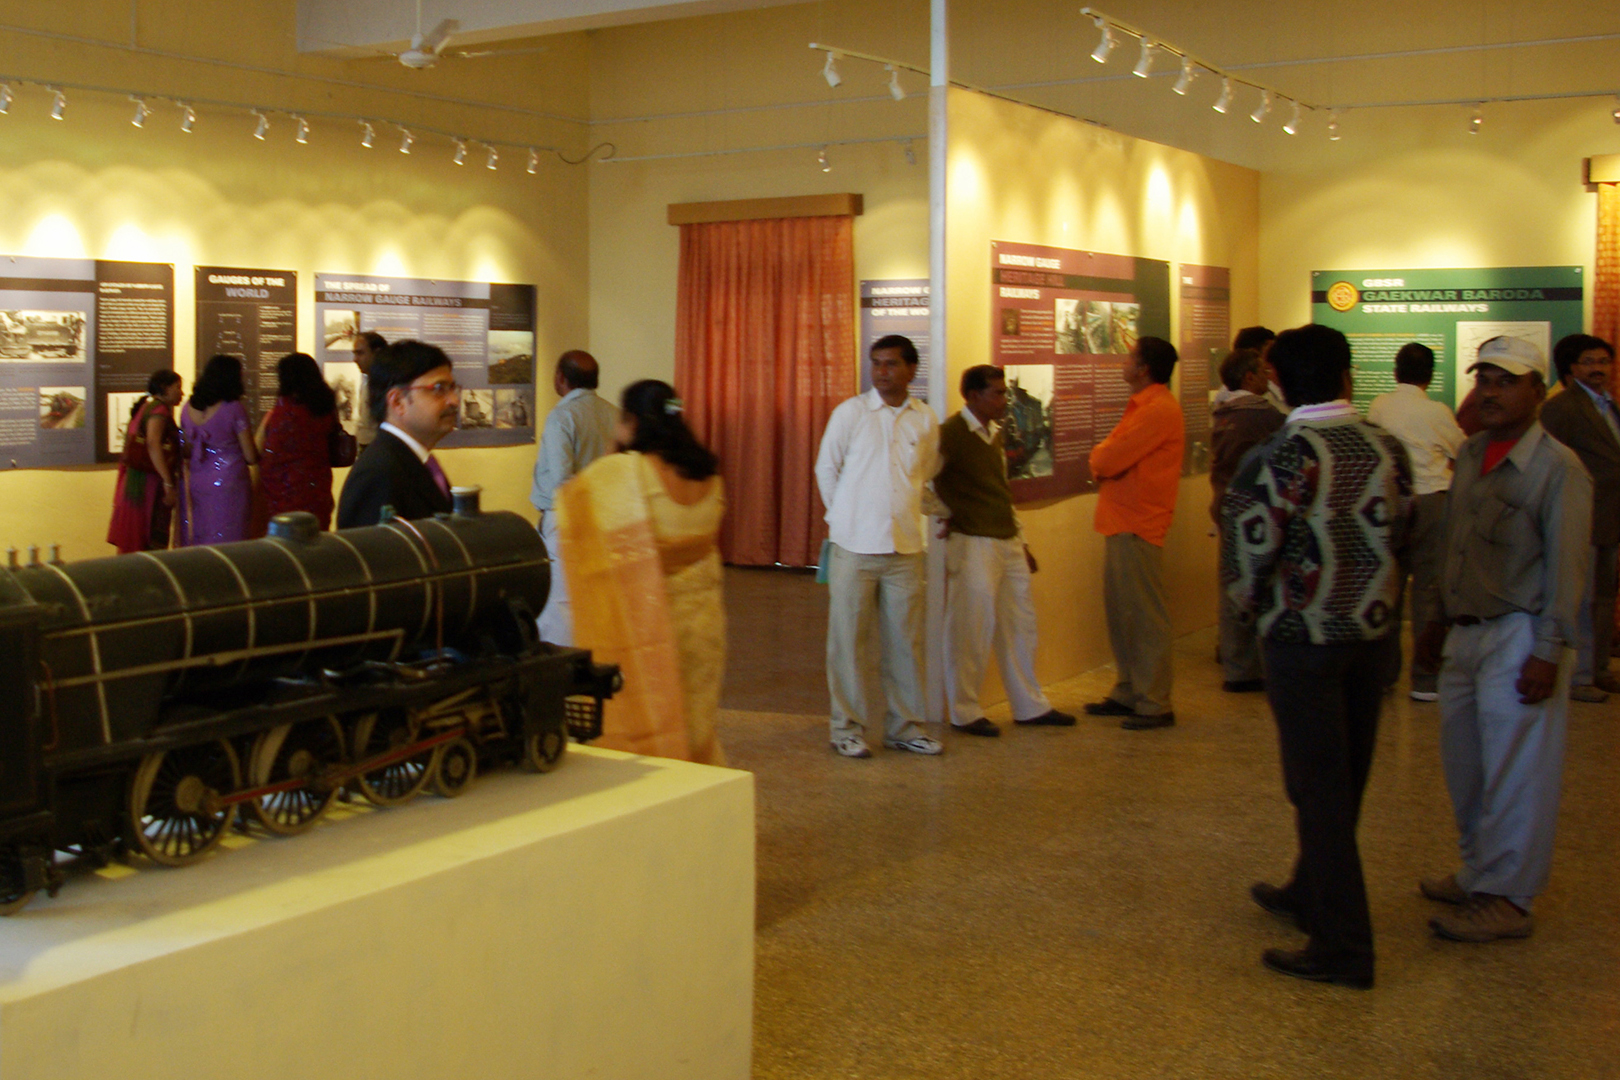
pixel 1517 529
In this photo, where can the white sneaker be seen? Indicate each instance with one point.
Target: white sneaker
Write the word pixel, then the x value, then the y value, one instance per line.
pixel 917 744
pixel 851 746
pixel 1425 695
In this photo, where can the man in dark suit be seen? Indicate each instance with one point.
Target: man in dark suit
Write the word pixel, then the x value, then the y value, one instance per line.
pixel 1583 418
pixel 414 387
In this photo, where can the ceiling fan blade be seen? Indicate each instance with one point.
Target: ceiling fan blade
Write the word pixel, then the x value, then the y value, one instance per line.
pixel 440 36
pixel 473 54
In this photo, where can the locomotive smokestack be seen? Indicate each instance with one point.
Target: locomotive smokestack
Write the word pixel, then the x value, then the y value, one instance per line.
pixel 11 555
pixel 56 554
pixel 466 500
pixel 33 555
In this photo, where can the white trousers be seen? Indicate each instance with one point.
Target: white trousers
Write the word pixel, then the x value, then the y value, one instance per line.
pixel 988 607
pixel 556 621
pixel 1504 761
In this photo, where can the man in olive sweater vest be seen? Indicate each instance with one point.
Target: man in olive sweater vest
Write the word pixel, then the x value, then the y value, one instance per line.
pixel 987 566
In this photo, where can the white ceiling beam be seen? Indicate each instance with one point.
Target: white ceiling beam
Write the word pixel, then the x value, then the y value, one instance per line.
pixel 334 25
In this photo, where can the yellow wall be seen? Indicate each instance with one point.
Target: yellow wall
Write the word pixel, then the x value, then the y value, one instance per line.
pixel 1410 189
pixel 94 186
pixel 1025 175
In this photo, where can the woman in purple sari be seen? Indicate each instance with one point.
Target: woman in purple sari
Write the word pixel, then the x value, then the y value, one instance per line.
pixel 218 441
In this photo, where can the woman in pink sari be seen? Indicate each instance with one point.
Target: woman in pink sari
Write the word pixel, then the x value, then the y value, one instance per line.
pixel 219 448
pixel 148 470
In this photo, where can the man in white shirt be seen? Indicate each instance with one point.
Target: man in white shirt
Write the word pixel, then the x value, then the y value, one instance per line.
pixel 878 451
pixel 579 429
pixel 1432 438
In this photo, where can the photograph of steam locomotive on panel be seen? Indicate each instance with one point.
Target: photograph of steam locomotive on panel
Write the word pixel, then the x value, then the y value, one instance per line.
pixel 486 329
pixel 1065 320
pixel 73 331
pixel 151 703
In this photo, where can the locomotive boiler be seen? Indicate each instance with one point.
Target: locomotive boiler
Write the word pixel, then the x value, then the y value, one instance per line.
pixel 149 700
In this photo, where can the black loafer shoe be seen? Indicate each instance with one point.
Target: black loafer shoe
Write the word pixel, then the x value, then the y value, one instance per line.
pixel 1302 965
pixel 1278 902
pixel 1147 723
pixel 1050 718
pixel 1243 686
pixel 1108 707
pixel 982 726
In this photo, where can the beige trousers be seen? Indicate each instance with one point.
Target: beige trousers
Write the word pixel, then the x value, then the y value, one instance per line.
pixel 1138 623
pixel 875 600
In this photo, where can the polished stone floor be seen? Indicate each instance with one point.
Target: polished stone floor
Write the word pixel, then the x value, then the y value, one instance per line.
pixel 1073 903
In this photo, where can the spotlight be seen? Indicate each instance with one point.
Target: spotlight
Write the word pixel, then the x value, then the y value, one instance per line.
pixel 405 140
pixel 264 126
pixel 1144 63
pixel 1333 126
pixel 911 153
pixel 1263 108
pixel 5 98
pixel 461 152
pixel 59 106
pixel 821 159
pixel 1292 127
pixel 139 119
pixel 368 134
pixel 1106 45
pixel 489 163
pixel 534 160
pixel 1189 71
pixel 1225 99
pixel 302 135
pixel 188 118
pixel 829 70
pixel 1477 121
pixel 896 91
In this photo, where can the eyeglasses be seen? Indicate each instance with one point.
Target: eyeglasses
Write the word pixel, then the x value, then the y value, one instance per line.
pixel 438 389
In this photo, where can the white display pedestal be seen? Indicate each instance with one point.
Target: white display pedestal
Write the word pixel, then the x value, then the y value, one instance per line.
pixel 594 922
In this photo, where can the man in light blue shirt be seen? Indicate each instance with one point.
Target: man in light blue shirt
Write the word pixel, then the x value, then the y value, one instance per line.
pixel 579 429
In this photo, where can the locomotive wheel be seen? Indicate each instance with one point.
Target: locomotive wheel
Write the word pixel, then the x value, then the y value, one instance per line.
pixel 544 749
pixel 401 781
pixel 169 818
pixel 13 897
pixel 454 767
pixel 294 752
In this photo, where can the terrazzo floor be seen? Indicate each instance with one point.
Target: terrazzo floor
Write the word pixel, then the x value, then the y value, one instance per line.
pixel 1073 903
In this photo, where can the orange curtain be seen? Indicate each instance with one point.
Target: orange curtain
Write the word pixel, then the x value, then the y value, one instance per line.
pixel 1606 290
pixel 764 349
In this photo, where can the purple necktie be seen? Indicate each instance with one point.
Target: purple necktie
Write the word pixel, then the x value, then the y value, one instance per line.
pixel 438 476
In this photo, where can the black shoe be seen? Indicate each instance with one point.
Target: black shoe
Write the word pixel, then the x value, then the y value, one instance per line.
pixel 1302 965
pixel 1280 902
pixel 1147 723
pixel 982 726
pixel 1243 686
pixel 1049 718
pixel 1108 707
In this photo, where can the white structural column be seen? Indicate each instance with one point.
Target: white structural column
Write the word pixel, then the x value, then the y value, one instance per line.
pixel 938 391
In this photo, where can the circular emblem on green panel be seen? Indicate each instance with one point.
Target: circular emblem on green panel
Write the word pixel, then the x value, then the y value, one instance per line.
pixel 1342 296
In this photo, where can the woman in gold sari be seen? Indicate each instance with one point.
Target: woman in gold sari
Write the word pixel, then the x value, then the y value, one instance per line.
pixel 638 533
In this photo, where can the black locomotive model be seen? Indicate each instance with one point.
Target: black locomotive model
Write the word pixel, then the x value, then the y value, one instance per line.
pixel 147 699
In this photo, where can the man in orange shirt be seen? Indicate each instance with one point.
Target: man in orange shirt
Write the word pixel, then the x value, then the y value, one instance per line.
pixel 1138 473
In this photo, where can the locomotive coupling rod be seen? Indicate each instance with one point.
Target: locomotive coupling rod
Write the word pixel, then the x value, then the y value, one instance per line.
pixel 213 801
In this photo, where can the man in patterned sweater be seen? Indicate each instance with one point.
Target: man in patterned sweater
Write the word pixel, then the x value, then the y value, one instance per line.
pixel 1314 521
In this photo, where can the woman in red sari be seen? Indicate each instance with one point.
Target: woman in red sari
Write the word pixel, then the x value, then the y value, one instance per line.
pixel 295 458
pixel 144 501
